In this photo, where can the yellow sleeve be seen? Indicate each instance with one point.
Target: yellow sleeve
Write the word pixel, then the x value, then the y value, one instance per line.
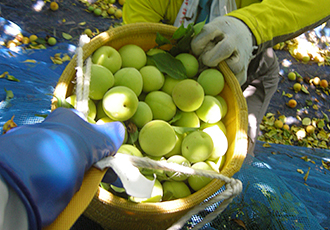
pixel 273 21
pixel 151 11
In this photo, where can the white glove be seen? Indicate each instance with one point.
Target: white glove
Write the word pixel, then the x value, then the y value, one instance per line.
pixel 225 38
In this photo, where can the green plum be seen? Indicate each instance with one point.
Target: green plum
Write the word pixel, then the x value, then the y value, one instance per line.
pixel 157 138
pixel 142 115
pixel 190 63
pixel 133 56
pixel 129 77
pixel 178 159
pixel 210 110
pixel 198 182
pixel 197 146
pixel 175 190
pixel 161 105
pixel 153 79
pixel 212 81
pixel 120 103
pixel 188 95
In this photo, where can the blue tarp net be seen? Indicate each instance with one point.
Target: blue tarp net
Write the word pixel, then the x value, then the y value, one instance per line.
pixel 275 195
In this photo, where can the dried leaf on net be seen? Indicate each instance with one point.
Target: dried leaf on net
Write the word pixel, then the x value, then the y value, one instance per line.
pixel 305 158
pixel 307 174
pixel 10 124
pixel 300 171
pixel 304 89
pixel 326 164
pixel 240 223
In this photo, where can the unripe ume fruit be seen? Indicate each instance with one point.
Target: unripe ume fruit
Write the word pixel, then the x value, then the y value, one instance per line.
pixel 161 105
pixel 220 141
pixel 188 95
pixel 101 80
pixel 224 106
pixel 178 159
pixel 130 150
pixel 120 103
pixel 175 190
pixel 157 138
pixel 133 56
pixel 108 57
pixel 187 119
pixel 199 182
pixel 197 146
pixel 91 105
pixel 212 81
pixel 142 115
pixel 129 77
pixel 210 110
pixel 153 79
pixel 190 63
pixel 169 84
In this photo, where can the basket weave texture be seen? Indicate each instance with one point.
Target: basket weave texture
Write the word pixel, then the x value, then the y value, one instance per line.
pixel 116 213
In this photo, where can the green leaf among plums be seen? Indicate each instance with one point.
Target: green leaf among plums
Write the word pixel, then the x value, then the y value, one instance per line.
pixel 179 33
pixel 198 27
pixel 133 137
pixel 61 102
pixel 183 130
pixel 169 65
pixel 183 44
pixel 161 40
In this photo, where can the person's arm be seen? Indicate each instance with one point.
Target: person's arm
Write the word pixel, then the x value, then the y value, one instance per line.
pixel 44 163
pixel 274 21
pixel 151 11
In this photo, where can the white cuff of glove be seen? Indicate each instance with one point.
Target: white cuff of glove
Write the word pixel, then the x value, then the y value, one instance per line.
pixel 225 39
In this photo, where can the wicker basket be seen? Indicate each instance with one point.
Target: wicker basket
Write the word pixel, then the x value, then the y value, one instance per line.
pixel 116 213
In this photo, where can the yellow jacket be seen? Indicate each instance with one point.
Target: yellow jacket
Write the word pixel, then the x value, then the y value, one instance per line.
pixel 271 21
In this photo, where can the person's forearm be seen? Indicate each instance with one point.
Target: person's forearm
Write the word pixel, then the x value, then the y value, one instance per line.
pixel 12 211
pixel 274 21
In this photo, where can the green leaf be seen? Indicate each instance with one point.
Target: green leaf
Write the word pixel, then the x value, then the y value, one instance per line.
pixel 169 65
pixel 177 117
pixel 66 36
pixel 9 94
pixel 12 78
pixel 183 44
pixel 40 41
pixel 198 27
pixel 325 116
pixel 179 33
pixel 304 89
pixel 63 103
pixel 41 115
pixel 161 40
pixel 183 130
pixel 133 137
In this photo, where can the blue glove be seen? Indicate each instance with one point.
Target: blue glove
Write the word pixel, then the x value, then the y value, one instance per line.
pixel 45 163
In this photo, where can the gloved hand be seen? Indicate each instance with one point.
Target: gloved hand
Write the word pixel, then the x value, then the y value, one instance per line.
pixel 45 163
pixel 225 38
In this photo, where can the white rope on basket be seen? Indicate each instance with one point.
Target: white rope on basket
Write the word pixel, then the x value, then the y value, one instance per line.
pixel 233 186
pixel 83 79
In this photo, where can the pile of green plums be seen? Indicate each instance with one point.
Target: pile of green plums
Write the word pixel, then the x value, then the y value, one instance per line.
pixel 174 120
